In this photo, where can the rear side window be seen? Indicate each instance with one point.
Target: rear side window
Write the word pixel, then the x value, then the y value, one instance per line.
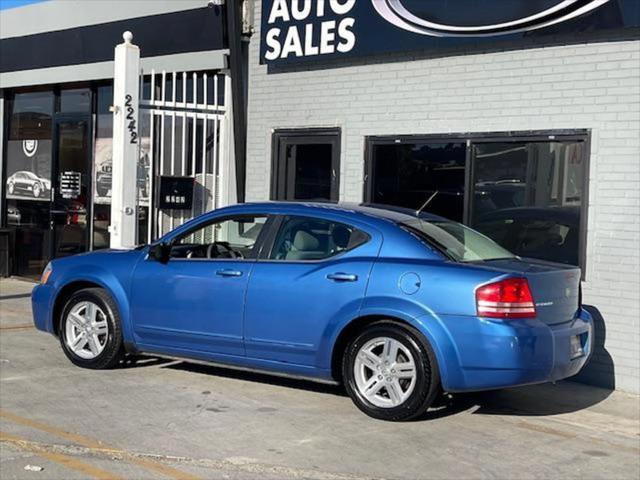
pixel 456 241
pixel 308 239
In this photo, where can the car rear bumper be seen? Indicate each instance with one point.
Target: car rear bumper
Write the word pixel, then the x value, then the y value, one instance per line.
pixel 496 354
pixel 41 303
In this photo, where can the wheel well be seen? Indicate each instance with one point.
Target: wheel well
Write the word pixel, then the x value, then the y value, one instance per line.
pixel 63 296
pixel 348 333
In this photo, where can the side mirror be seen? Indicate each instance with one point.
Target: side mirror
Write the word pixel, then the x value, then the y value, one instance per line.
pixel 160 252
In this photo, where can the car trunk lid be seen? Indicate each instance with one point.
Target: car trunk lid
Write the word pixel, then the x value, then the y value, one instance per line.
pixel 555 287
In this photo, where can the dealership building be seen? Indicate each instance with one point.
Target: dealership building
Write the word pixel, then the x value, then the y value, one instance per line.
pixel 532 136
pixel 521 121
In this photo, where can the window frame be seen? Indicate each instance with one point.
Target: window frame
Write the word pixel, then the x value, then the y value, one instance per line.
pixel 470 140
pixel 255 252
pixel 277 227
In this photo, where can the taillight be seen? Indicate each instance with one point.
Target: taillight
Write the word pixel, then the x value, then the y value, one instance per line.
pixel 510 298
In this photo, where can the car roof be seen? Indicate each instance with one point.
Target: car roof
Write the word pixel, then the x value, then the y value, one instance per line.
pixel 382 212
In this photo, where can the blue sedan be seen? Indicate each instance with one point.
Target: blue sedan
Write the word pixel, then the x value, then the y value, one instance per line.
pixel 397 306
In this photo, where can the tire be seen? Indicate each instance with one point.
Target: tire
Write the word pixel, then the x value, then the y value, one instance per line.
pixel 414 392
pixel 11 188
pixel 37 190
pixel 107 330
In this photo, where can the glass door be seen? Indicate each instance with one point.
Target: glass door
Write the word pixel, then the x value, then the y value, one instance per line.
pixel 72 187
pixel 306 165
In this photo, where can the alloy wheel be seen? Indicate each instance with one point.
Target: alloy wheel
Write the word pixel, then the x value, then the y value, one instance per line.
pixel 87 330
pixel 385 372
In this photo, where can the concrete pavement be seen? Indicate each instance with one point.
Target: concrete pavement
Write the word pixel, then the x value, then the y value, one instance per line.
pixel 155 418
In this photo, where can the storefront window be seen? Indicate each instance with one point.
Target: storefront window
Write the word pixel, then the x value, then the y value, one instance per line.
pixel 102 167
pixel 103 164
pixel 526 195
pixel 412 174
pixel 76 100
pixel 28 178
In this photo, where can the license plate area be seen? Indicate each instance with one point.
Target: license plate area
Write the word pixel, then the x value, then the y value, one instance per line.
pixel 576 348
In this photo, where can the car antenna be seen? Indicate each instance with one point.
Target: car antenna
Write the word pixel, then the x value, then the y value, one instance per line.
pixel 425 204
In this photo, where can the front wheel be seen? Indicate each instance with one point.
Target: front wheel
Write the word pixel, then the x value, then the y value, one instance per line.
pixel 37 190
pixel 90 329
pixel 390 372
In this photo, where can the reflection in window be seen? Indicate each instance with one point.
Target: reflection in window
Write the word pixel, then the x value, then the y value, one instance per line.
pixel 410 174
pixel 527 197
pixel 76 100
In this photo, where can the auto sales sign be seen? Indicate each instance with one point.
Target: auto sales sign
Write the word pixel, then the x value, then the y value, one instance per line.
pixel 295 31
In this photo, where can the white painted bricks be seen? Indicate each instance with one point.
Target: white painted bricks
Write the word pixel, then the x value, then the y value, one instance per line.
pixel 594 86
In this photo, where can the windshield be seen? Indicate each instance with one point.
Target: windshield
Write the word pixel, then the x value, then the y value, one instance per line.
pixel 456 241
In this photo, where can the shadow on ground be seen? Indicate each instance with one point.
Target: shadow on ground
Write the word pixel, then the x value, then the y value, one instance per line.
pixel 529 401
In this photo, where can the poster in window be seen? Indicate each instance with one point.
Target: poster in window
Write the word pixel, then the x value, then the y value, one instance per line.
pixel 29 169
pixel 104 169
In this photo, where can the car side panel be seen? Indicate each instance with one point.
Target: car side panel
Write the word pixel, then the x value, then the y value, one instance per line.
pixel 111 271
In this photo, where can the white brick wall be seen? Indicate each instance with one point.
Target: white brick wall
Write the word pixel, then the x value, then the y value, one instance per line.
pixel 594 86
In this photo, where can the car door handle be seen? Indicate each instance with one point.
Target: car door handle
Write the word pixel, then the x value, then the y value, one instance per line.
pixel 229 273
pixel 342 277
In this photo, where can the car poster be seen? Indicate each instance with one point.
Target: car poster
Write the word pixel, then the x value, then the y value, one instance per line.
pixel 29 170
pixel 104 167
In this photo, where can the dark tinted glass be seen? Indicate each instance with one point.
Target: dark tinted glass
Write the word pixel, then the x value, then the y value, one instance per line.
pixel 527 197
pixel 312 171
pixel 31 116
pixel 302 238
pixel 409 174
pixel 75 101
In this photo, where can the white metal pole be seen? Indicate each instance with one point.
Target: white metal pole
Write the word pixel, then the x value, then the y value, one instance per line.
pixel 125 144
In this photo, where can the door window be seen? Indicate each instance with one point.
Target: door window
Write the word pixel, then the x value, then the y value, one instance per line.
pixel 306 165
pixel 231 238
pixel 302 238
pixel 71 201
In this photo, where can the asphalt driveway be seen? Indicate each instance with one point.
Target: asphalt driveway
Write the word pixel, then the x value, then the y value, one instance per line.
pixel 155 418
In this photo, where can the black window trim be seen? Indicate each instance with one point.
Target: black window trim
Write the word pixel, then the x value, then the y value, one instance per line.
pixel 278 225
pixel 471 139
pixel 255 252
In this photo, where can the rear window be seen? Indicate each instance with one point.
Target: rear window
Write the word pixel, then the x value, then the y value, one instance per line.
pixel 456 241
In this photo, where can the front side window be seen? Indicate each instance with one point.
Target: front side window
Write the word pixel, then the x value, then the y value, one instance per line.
pixel 231 238
pixel 456 241
pixel 307 239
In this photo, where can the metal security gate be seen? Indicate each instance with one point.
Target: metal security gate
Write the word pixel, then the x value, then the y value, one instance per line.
pixel 184 125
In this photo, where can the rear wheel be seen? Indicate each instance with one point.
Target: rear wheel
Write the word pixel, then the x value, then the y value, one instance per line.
pixel 90 329
pixel 390 372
